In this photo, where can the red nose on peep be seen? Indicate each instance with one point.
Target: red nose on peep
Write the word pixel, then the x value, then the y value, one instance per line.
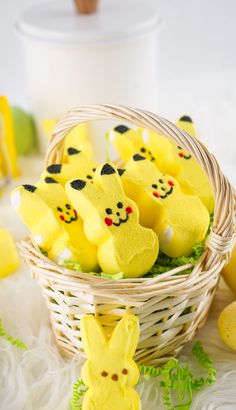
pixel 62 217
pixel 181 154
pixel 129 210
pixel 108 221
pixel 75 212
pixel 171 183
pixel 156 194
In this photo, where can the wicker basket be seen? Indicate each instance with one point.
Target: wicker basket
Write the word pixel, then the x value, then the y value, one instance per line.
pixel 170 307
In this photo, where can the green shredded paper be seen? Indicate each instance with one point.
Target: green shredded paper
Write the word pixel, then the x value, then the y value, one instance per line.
pixel 177 382
pixel 15 342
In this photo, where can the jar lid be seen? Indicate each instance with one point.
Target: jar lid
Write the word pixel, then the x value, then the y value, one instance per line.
pixel 57 21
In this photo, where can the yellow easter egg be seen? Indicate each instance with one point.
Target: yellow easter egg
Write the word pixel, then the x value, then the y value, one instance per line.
pixel 229 272
pixel 9 260
pixel 227 325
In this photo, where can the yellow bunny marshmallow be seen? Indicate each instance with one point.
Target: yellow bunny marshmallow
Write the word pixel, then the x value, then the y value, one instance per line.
pixel 54 223
pixel 111 223
pixel 110 371
pixel 78 167
pixel 179 220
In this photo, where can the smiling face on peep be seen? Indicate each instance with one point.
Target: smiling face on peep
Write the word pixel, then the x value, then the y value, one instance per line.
pixel 162 187
pixel 182 153
pixel 145 151
pixel 67 214
pixel 117 215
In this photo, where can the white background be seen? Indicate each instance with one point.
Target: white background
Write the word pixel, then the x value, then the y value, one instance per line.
pixel 197 66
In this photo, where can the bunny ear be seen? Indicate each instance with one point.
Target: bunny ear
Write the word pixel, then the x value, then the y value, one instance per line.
pixel 140 168
pixel 77 157
pixel 93 336
pixel 125 337
pixel 125 141
pixel 108 178
pixel 62 172
pixel 36 214
pixel 186 123
pixel 83 195
pixel 77 139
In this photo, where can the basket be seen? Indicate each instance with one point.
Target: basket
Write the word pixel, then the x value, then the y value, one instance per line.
pixel 170 307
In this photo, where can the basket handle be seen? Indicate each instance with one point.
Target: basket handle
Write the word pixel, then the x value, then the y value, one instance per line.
pixel 223 226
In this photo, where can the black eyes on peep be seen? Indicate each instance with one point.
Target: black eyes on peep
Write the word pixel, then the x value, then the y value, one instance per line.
pixel 119 205
pixel 109 211
pixel 179 147
pixel 68 206
pixel 89 177
pixel 59 209
pixel 142 149
pixel 154 186
pixel 161 181
pixel 94 169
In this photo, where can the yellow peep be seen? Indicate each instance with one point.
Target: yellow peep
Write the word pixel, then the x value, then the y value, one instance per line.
pixel 54 223
pixel 111 223
pixel 179 220
pixel 184 167
pixel 78 166
pixel 110 371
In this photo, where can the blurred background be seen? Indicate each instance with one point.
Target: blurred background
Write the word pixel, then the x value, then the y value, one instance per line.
pixel 195 65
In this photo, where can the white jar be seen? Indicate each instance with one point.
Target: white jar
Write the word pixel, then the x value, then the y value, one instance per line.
pixel 106 57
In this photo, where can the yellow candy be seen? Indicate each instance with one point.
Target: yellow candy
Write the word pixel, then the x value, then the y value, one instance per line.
pixel 162 150
pixel 227 325
pixel 110 371
pixel 111 223
pixel 168 157
pixel 55 225
pixel 151 145
pixel 229 272
pixel 9 260
pixel 191 176
pixel 179 220
pixel 126 141
pixel 79 167
pixel 7 140
pixel 77 139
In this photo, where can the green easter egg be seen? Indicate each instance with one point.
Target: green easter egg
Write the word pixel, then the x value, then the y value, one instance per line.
pixel 25 134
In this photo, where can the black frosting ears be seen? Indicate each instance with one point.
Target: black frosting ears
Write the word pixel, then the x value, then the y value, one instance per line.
pixel 29 188
pixel 78 184
pixel 50 180
pixel 138 157
pixel 107 169
pixel 72 151
pixel 186 118
pixel 121 129
pixel 54 169
pixel 121 171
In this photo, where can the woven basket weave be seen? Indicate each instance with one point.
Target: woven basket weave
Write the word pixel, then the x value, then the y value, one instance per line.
pixel 170 307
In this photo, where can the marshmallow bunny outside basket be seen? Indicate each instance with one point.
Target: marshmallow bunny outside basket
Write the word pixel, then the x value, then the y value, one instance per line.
pixel 170 307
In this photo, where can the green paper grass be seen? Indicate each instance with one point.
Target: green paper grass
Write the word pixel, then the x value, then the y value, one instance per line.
pixel 177 383
pixel 15 342
pixel 78 391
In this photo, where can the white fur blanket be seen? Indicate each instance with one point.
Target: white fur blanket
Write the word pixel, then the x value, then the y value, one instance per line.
pixel 39 379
